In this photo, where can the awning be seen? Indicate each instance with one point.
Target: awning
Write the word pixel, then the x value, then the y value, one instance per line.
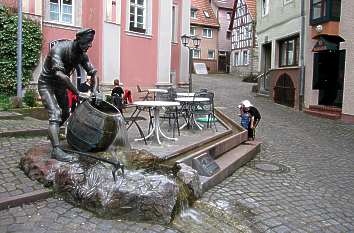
pixel 326 43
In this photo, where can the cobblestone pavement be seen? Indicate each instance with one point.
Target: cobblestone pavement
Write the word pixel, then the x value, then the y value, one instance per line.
pixel 53 215
pixel 12 180
pixel 317 195
pixel 314 194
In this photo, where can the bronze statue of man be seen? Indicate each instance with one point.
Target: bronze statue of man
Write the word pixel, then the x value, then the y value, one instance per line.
pixel 54 80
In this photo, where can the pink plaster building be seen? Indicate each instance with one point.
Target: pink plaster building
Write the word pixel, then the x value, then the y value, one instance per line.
pixel 136 41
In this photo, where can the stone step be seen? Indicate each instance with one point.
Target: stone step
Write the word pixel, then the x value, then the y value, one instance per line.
pixel 325 114
pixel 325 108
pixel 230 162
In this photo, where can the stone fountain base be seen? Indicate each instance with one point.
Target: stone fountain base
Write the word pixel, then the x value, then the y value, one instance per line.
pixel 139 195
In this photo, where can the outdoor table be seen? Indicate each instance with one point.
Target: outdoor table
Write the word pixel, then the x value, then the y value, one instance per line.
pixel 190 117
pixel 156 90
pixel 156 105
pixel 185 94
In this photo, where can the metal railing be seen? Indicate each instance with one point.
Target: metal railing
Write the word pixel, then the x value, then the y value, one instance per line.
pixel 264 82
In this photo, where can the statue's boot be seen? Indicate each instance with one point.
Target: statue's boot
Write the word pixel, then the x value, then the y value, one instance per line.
pixel 60 155
pixel 57 153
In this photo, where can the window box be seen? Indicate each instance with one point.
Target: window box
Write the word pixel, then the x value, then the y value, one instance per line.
pixel 324 10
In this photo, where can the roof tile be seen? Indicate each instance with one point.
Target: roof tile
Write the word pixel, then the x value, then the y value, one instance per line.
pixel 201 6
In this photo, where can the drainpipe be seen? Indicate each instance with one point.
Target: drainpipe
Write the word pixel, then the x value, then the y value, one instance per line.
pixel 302 56
pixel 19 50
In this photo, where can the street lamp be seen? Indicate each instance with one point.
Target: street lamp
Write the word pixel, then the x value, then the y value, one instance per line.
pixel 196 43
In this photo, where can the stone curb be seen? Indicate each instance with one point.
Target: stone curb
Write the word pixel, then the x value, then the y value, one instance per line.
pixel 12 116
pixel 24 132
pixel 18 200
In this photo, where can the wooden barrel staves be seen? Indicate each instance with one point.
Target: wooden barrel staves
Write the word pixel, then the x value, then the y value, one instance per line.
pixel 93 127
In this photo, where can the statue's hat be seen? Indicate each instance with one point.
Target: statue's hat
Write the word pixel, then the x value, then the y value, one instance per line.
pixel 88 33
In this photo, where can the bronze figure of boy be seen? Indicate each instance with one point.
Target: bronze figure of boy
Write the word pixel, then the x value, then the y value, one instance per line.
pixel 54 80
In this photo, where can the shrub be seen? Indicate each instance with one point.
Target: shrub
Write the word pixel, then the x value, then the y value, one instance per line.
pixel 30 98
pixel 31 47
pixel 5 103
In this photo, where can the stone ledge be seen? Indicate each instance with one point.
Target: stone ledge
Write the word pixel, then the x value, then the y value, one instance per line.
pixel 18 200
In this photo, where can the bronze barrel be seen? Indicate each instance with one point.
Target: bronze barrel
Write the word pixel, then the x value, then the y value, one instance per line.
pixel 93 127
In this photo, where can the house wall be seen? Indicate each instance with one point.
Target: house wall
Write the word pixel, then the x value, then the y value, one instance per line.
pixel 138 57
pixel 183 76
pixel 245 70
pixel 282 21
pixel 347 32
pixel 164 42
pixel 205 45
pixel 224 44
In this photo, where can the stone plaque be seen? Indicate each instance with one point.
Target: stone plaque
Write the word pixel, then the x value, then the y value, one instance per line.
pixel 205 165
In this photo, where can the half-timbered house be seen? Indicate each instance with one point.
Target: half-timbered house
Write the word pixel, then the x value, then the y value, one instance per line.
pixel 244 50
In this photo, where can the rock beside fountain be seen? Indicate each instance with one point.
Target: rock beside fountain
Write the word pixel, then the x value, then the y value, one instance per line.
pixel 190 177
pixel 139 195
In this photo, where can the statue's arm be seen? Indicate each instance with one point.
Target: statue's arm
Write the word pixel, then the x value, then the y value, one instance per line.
pixel 58 68
pixel 60 74
pixel 91 71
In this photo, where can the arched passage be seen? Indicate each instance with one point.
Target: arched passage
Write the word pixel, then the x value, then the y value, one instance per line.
pixel 284 91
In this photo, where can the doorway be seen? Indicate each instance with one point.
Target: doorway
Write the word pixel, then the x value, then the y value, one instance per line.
pixel 266 66
pixel 284 91
pixel 328 77
pixel 224 62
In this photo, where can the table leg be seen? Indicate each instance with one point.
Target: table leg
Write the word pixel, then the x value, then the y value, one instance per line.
pixel 157 123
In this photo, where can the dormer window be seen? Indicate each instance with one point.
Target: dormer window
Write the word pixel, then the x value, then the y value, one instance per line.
pixel 193 13
pixel 206 14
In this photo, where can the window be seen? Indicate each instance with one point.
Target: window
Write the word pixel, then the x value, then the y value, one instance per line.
pixel 245 57
pixel 236 59
pixel 211 54
pixel 206 14
pixel 196 53
pixel 61 11
pixel 137 15
pixel 288 52
pixel 193 31
pixel 265 7
pixel 207 33
pixel 324 10
pixel 174 23
pixel 193 13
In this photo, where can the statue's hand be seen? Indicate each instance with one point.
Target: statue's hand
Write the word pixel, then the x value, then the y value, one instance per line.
pixel 99 97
